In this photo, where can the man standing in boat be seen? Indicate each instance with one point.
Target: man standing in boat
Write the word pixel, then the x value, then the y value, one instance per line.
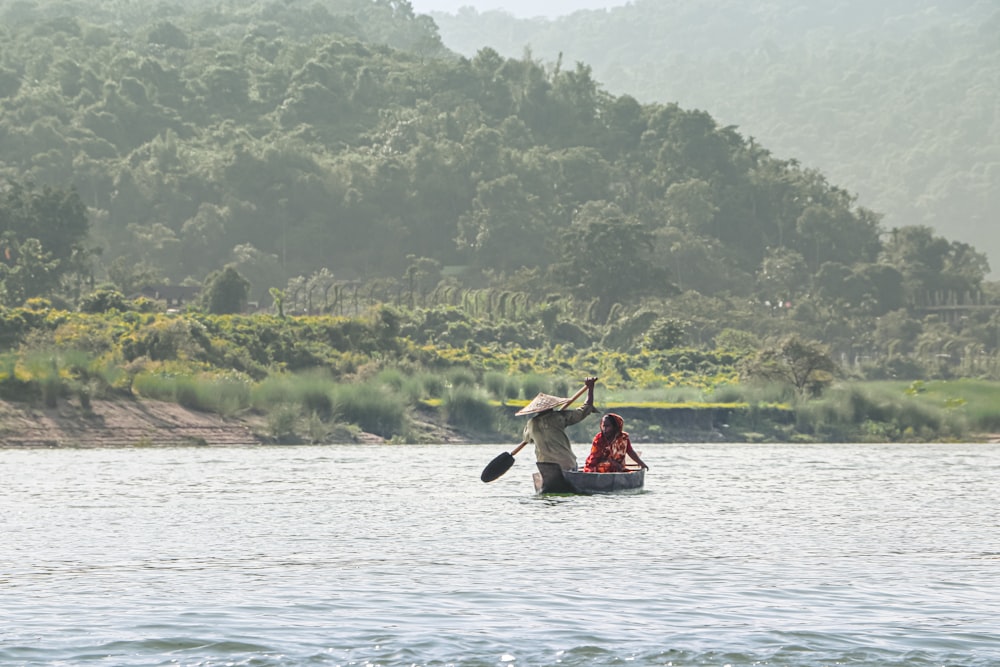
pixel 547 428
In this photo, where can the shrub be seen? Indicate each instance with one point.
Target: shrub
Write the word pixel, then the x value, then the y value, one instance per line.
pixel 273 390
pixel 281 421
pixel 223 395
pixel 496 384
pixel 103 300
pixel 433 385
pixel 371 406
pixel 154 385
pixel 728 393
pixel 465 407
pixel 532 385
pixel 461 377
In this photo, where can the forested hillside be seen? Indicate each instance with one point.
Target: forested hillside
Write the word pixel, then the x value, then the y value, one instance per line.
pixel 334 156
pixel 898 101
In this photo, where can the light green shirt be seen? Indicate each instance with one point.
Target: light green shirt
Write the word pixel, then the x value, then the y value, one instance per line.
pixel 548 431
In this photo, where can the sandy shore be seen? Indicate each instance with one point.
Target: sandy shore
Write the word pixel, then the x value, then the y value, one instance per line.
pixel 118 424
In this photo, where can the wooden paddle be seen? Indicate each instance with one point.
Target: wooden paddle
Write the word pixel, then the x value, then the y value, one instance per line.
pixel 503 462
pixel 500 464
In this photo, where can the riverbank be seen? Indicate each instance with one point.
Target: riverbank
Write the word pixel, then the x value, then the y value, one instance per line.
pixel 139 423
pixel 118 424
pixel 146 422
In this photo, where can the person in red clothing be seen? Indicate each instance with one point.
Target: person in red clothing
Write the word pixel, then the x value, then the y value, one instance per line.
pixel 610 446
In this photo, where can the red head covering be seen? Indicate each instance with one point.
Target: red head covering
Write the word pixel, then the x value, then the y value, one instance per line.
pixel 617 419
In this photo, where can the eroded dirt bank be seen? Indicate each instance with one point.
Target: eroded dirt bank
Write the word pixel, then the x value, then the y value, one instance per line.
pixel 118 424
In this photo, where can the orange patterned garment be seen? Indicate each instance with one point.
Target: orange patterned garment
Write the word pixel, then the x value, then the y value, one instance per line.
pixel 609 456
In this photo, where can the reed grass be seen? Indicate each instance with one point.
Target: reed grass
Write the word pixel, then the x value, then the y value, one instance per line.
pixel 108 377
pixel 877 411
pixel 191 394
pixel 976 402
pixel 532 385
pixel 433 385
pixel 372 406
pixel 315 395
pixel 979 400
pixel 272 391
pixel 461 377
pixel 156 386
pixel 315 403
pixel 8 365
pixel 496 383
pixel 683 395
pixel 414 386
pixel 392 377
pixel 312 391
pixel 502 386
pixel 44 369
pixel 317 428
pixel 225 395
pixel 282 421
pixel 561 387
pixel 470 408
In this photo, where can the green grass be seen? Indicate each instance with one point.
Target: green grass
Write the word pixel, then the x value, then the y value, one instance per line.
pixel 977 400
pixel 225 395
pixel 374 407
pixel 888 411
pixel 470 408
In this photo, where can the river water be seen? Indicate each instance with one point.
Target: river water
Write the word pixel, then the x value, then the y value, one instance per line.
pixel 399 556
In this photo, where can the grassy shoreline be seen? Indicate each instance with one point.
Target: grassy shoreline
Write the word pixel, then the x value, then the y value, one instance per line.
pixel 326 379
pixel 145 421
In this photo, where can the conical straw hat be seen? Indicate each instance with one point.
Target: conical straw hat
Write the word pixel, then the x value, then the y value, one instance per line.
pixel 541 403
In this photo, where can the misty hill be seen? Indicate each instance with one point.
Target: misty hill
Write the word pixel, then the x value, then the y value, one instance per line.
pixel 898 101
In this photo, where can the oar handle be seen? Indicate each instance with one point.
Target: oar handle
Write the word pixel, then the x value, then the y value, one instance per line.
pixel 518 448
pixel 574 397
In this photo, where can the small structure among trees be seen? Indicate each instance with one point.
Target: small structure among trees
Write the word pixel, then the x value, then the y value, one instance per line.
pixel 172 296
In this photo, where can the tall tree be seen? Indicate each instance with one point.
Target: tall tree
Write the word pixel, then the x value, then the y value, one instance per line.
pixel 44 234
pixel 504 229
pixel 804 364
pixel 609 256
pixel 225 292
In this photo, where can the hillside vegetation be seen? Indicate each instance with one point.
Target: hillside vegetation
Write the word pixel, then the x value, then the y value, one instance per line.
pixel 357 210
pixel 337 379
pixel 896 101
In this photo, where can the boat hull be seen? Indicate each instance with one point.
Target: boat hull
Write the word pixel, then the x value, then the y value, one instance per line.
pixel 550 478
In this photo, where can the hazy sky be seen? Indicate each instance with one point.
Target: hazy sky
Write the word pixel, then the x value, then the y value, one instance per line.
pixel 521 8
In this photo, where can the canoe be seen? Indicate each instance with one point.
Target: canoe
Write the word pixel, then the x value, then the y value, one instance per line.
pixel 550 478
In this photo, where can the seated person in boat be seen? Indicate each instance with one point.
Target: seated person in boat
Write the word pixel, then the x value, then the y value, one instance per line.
pixel 547 429
pixel 610 446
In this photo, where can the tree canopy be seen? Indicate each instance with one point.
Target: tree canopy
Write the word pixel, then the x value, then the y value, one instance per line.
pixel 338 155
pixel 896 101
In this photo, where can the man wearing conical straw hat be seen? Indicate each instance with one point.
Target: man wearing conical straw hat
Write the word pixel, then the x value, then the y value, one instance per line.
pixel 547 428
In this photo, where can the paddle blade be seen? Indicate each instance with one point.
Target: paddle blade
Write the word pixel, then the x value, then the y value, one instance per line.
pixel 497 467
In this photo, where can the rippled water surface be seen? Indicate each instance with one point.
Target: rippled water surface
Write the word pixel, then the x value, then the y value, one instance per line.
pixel 365 555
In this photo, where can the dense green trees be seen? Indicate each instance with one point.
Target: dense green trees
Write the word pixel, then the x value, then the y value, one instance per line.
pixel 226 292
pixel 43 242
pixel 931 263
pixel 896 101
pixel 299 149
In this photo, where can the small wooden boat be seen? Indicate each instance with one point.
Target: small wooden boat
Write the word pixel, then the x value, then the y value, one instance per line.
pixel 550 478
